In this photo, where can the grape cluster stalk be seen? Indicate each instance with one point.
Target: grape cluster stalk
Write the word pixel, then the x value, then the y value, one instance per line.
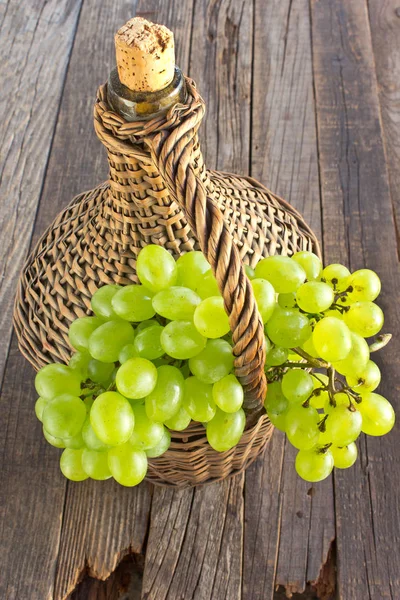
pixel 158 354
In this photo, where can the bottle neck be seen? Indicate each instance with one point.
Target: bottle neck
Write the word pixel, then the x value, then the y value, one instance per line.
pixel 141 106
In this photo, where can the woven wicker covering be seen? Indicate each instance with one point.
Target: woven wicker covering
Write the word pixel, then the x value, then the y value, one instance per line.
pixel 160 192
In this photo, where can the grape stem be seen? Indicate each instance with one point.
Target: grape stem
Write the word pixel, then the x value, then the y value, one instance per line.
pixel 317 363
pixel 380 342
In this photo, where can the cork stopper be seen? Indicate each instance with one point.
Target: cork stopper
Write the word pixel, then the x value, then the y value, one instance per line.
pixel 145 55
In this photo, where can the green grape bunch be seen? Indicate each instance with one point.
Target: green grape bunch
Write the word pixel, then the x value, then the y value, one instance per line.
pixel 157 355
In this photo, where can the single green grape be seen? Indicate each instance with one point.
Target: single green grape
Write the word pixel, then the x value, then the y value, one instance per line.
pixel 314 296
pixel 314 465
pixel 181 340
pixel 133 303
pixel 55 379
pixel 267 345
pixel 147 342
pixel 343 424
pixel 176 303
pixel 297 385
pixel 264 294
pixel 95 464
pixel 310 263
pixel 339 399
pixel 366 380
pixel 75 442
pixel 191 267
pixel 334 313
pixel 80 331
pixel 337 276
pixel 136 378
pixel 249 271
pixel 79 361
pixel 365 318
pixel 162 446
pixel 302 426
pixel 208 286
pixel 64 416
pixel 213 362
pixel 319 396
pixel 287 300
pixel 198 400
pixel 378 416
pixel 366 285
pixel 324 438
pixel 166 398
pixel 210 318
pixel 357 358
pixel 276 356
pixel 101 301
pixel 112 418
pixel 309 347
pixel 156 268
pixel 146 433
pixel 40 405
pixel 127 352
pixel 100 372
pixel 92 442
pixel 224 430
pixel 88 402
pixel 107 341
pixel 71 465
pixel 127 464
pixel 288 328
pixel 294 357
pixel 332 339
pixel 345 456
pixel 179 421
pixel 147 323
pixel 285 274
pixel 276 405
pixel 53 441
pixel 228 394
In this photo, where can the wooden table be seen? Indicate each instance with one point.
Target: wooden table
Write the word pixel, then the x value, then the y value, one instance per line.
pixel 305 96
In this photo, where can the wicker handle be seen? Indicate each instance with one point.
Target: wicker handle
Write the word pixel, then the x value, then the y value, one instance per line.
pixel 172 152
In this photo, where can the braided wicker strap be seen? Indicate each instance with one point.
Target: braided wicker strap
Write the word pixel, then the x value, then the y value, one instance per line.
pixel 171 141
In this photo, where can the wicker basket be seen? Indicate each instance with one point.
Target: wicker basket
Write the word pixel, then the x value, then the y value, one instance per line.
pixel 160 192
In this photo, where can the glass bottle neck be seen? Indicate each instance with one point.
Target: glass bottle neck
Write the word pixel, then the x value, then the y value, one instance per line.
pixel 141 106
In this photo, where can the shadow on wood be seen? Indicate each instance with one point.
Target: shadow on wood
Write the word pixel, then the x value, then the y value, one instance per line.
pixel 124 584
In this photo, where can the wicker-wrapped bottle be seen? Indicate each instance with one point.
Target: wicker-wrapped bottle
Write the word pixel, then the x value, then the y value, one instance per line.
pixel 159 192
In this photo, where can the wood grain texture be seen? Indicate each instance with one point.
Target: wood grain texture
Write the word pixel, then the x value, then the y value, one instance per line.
pixel 384 18
pixel 207 559
pixel 31 490
pixel 285 158
pixel 35 45
pixel 284 146
pixel 262 517
pixel 102 523
pixel 36 41
pixel 359 228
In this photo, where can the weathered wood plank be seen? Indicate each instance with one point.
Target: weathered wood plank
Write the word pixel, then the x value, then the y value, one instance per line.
pixel 36 41
pixel 102 523
pixel 35 49
pixel 285 158
pixel 284 147
pixel 384 17
pixel 359 227
pixel 31 490
pixel 205 562
pixel 262 522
